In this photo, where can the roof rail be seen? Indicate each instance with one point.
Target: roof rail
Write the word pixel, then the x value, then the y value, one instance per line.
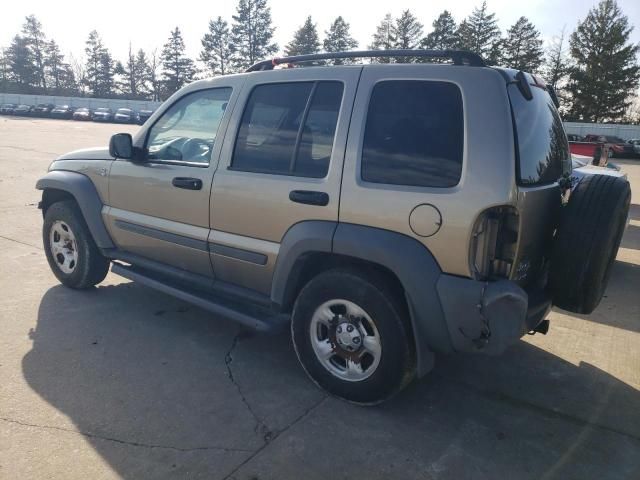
pixel 459 57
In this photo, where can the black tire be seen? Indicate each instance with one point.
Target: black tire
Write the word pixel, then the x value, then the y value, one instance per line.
pixel 587 242
pixel 91 267
pixel 396 367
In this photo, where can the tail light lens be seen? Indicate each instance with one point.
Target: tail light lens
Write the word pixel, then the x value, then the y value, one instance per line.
pixel 493 243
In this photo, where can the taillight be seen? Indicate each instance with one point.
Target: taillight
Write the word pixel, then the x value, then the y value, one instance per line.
pixel 493 243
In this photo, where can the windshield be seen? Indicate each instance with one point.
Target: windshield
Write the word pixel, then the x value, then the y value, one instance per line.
pixel 542 147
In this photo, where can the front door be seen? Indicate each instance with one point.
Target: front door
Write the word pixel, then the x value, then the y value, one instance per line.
pixel 281 164
pixel 159 205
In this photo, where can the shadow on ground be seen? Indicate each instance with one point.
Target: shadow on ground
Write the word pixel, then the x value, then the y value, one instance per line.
pixel 161 389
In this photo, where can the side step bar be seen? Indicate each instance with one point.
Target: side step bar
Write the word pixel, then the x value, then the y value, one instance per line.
pixel 250 315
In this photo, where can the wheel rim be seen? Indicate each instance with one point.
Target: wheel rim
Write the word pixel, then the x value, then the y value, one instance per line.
pixel 63 245
pixel 345 340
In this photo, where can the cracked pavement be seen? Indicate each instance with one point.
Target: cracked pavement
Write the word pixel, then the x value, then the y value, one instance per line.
pixel 124 382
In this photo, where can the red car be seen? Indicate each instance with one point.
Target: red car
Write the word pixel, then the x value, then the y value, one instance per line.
pixel 618 146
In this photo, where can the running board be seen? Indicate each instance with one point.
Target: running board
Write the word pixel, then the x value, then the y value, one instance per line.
pixel 244 312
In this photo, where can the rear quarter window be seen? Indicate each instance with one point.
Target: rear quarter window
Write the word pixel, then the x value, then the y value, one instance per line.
pixel 542 148
pixel 414 134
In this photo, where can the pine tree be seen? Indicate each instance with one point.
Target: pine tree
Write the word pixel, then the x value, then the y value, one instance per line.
pixel 607 70
pixel 106 75
pixel 252 33
pixel 338 39
pixel 444 33
pixel 60 77
pixel 134 74
pixel 407 31
pixel 305 40
pixel 154 76
pixel 37 42
pixel 21 64
pixel 522 49
pixel 4 69
pixel 557 66
pixel 178 69
pixel 480 34
pixel 384 38
pixel 94 50
pixel 217 48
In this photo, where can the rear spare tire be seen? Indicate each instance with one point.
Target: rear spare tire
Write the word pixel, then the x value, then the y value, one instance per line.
pixel 587 242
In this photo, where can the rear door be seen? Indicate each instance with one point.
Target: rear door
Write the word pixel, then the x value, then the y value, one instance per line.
pixel 281 164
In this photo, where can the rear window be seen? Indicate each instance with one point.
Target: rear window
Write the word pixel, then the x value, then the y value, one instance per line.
pixel 542 147
pixel 414 134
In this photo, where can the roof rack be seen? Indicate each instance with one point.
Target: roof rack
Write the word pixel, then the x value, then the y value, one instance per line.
pixel 459 57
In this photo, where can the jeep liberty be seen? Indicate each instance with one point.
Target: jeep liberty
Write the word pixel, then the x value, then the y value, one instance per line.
pixel 386 212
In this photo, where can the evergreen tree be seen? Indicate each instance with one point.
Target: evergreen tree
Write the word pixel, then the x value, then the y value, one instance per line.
pixel 94 50
pixel 252 33
pixel 557 67
pixel 522 49
pixel 217 48
pixel 607 71
pixel 60 77
pixel 407 31
pixel 338 39
pixel 444 33
pixel 480 34
pixel 106 75
pixel 37 43
pixel 21 65
pixel 384 38
pixel 178 69
pixel 134 74
pixel 4 69
pixel 154 76
pixel 305 40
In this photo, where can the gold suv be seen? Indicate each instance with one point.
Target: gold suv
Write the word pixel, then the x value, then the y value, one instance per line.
pixel 385 211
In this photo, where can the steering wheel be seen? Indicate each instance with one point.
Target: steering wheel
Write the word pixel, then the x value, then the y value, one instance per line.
pixel 192 149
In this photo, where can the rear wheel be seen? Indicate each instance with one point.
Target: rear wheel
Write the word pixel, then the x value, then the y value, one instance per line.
pixel 587 242
pixel 71 252
pixel 351 336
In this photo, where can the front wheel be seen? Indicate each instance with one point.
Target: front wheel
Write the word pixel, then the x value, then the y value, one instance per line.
pixel 351 335
pixel 71 252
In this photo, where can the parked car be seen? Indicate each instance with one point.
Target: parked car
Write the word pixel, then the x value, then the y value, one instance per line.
pixel 572 137
pixel 103 115
pixel 143 116
pixel 619 147
pixel 7 108
pixel 361 205
pixel 125 115
pixel 83 113
pixel 23 110
pixel 62 111
pixel 43 109
pixel 635 144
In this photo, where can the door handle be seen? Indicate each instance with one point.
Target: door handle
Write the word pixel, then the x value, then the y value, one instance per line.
pixel 187 183
pixel 309 197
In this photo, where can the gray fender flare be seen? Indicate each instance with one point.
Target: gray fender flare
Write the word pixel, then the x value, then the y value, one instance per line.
pixel 418 273
pixel 84 191
pixel 404 256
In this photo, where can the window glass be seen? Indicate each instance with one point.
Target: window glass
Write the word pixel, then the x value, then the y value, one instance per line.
pixel 543 150
pixel 316 142
pixel 284 131
pixel 187 130
pixel 414 134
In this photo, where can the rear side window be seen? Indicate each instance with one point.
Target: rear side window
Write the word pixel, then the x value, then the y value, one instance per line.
pixel 414 134
pixel 542 147
pixel 288 129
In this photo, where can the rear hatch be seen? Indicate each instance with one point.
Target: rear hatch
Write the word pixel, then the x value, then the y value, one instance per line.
pixel 542 158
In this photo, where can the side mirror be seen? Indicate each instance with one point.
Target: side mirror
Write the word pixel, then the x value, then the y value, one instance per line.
pixel 121 146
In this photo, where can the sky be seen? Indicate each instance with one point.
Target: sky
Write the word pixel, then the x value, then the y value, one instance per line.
pixel 147 24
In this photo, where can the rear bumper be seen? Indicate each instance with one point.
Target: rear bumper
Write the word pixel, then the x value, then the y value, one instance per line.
pixel 487 317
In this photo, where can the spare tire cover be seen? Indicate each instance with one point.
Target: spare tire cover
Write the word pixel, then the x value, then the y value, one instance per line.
pixel 587 242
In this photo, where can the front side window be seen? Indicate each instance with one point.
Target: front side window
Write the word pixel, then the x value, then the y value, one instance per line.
pixel 186 132
pixel 414 134
pixel 288 129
